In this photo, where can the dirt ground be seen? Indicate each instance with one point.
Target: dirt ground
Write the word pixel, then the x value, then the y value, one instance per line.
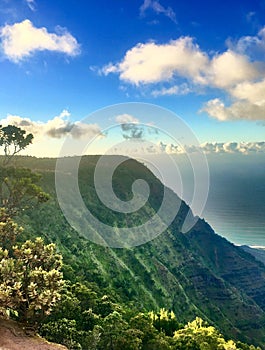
pixel 13 337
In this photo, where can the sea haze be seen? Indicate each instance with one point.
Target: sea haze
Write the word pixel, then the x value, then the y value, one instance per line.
pixel 235 206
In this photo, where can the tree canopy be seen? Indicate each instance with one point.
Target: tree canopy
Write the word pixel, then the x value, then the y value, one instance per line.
pixel 18 186
pixel 13 139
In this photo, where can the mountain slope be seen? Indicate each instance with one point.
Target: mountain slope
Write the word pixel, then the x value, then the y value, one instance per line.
pixel 195 274
pixel 258 253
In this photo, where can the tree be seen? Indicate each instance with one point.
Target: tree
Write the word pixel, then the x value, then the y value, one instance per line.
pixel 62 331
pixel 14 140
pixel 31 280
pixel 198 335
pixel 19 189
pixel 151 339
pixel 18 186
pixel 117 334
pixel 165 321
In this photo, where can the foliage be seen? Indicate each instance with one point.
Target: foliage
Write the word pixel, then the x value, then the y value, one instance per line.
pixel 30 281
pixel 198 335
pixel 9 230
pixel 79 322
pixel 165 321
pixel 126 328
pixel 62 331
pixel 14 140
pixel 19 189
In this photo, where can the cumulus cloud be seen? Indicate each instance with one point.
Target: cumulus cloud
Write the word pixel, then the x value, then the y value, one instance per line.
pixel 185 68
pixel 235 147
pixel 214 148
pixel 153 63
pixel 250 45
pixel 230 68
pixel 57 127
pixel 21 40
pixel 253 92
pixel 182 58
pixel 242 109
pixel 249 103
pixel 171 148
pixel 126 118
pixel 155 6
pixel 208 148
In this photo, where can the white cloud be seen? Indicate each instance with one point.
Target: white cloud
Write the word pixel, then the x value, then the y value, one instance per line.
pixel 155 6
pixel 31 4
pixel 173 149
pixel 243 79
pixel 250 45
pixel 237 147
pixel 248 102
pixel 230 68
pixel 214 148
pixel 182 89
pixel 254 92
pixel 216 109
pixel 238 110
pixel 57 127
pixel 153 63
pixel 126 118
pixel 235 72
pixel 21 40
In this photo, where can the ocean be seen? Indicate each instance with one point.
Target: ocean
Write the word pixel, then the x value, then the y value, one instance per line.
pixel 235 206
pixel 236 202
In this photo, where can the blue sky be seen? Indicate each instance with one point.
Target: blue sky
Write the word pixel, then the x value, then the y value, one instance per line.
pixel 204 60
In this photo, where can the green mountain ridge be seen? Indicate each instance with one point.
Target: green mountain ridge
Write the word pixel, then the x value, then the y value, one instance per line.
pixel 195 274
